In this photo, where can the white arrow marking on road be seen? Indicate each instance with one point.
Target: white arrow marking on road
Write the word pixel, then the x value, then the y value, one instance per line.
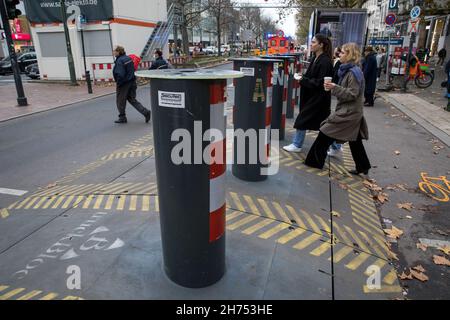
pixel 99 229
pixel 117 244
pixel 69 255
pixel 12 192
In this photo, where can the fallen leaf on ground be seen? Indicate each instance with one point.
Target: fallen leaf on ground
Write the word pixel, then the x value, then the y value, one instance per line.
pixel 372 185
pixel 419 268
pixel 397 152
pixel 393 233
pixel 404 276
pixel 445 249
pixel 440 260
pixel 343 186
pixel 382 197
pixel 407 206
pixel 421 246
pixel 418 275
pixel 402 186
pixel 51 185
pixel 442 233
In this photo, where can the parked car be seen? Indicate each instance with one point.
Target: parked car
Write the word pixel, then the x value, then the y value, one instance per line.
pixel 32 71
pixel 23 60
pixel 211 50
pixel 225 48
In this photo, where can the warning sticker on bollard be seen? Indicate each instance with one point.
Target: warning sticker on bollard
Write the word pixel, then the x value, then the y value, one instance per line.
pixel 171 99
pixel 248 72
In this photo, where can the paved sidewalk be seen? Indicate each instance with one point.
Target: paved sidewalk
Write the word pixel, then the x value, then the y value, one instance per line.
pixel 45 96
pixel 432 117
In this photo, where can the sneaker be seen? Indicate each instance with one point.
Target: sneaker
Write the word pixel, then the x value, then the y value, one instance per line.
pixel 292 148
pixel 148 116
pixel 121 120
pixel 334 152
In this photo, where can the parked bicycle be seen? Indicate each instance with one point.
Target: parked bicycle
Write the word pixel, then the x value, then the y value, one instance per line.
pixel 420 72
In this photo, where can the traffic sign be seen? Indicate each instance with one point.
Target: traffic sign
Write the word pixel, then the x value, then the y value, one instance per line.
pixel 415 12
pixel 412 26
pixel 390 19
pixel 385 41
pixel 393 4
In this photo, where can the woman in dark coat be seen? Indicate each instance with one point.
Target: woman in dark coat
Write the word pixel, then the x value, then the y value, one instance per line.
pixel 315 102
pixel 347 123
pixel 370 76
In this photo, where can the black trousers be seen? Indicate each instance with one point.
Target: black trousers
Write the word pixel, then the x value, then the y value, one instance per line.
pixel 127 92
pixel 369 98
pixel 318 153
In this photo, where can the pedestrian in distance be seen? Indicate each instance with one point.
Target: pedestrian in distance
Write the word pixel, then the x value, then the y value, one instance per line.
pixel 381 56
pixel 336 64
pixel 123 73
pixel 347 123
pixel 159 62
pixel 315 102
pixel 442 54
pixel 370 76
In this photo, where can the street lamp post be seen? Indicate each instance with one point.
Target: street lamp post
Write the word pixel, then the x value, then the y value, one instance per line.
pixel 73 79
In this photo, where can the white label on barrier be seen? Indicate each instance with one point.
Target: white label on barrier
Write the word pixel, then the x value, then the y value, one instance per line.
pixel 248 72
pixel 171 99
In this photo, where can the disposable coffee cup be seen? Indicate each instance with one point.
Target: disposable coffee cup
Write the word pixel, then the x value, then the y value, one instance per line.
pixel 327 80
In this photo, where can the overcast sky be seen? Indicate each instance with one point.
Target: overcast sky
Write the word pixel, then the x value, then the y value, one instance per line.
pixel 288 25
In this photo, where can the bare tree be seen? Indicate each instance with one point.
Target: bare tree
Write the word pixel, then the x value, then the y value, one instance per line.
pixel 222 11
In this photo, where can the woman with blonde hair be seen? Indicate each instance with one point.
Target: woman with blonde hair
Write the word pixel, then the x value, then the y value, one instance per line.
pixel 347 123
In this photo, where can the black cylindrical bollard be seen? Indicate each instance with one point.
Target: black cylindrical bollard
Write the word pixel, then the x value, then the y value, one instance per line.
pixel 289 70
pixel 190 171
pixel 252 117
pixel 278 103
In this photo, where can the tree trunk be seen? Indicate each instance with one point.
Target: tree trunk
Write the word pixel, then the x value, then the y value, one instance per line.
pixel 185 39
pixel 219 35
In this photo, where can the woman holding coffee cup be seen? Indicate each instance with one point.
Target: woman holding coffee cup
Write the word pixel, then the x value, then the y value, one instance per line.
pixel 347 123
pixel 315 102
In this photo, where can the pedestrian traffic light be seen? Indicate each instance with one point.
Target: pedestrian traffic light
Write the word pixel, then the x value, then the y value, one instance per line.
pixel 11 9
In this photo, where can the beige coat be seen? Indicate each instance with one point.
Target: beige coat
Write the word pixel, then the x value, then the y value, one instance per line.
pixel 347 122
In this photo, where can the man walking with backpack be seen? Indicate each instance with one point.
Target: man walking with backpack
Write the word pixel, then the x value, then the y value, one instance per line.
pixel 123 73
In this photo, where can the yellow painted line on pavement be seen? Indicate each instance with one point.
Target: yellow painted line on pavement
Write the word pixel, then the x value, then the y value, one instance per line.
pixel 383 289
pixel 356 262
pixel 370 231
pixel 369 225
pixel 241 222
pixel 29 204
pixel 321 249
pixel 12 205
pixel 363 215
pixel 256 227
pixel 72 298
pixel 364 199
pixel 390 277
pixel 3 288
pixel 296 217
pixel 252 205
pixel 380 263
pixel 49 296
pixel 121 202
pixel 133 203
pixel 88 201
pixel 307 241
pixel 266 209
pixel 49 202
pixel 157 204
pixel 40 202
pixel 109 202
pixel 290 236
pixel 98 202
pixel 237 201
pixel 68 201
pixel 78 201
pixel 58 202
pixel 271 232
pixel 311 221
pixel 342 233
pixel 281 211
pixel 361 244
pixel 30 295
pixel 4 213
pixel 233 215
pixel 372 245
pixel 326 226
pixel 341 254
pixel 11 293
pixel 370 213
pixel 146 203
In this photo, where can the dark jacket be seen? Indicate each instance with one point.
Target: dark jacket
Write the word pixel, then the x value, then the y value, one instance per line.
pixel 370 72
pixel 336 66
pixel 123 71
pixel 315 102
pixel 442 53
pixel 159 63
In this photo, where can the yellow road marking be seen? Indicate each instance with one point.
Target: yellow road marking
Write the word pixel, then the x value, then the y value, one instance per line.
pixel 280 210
pixel 40 202
pixel 371 231
pixel 72 298
pixel 30 295
pixel 109 202
pixel 3 288
pixel 49 202
pixel 390 277
pixel 341 254
pixel 121 202
pixel 269 233
pixel 49 296
pixel 4 213
pixel 311 221
pixel 372 245
pixel 66 204
pixel 237 201
pixel 252 205
pixel 58 202
pixel 146 203
pixel 98 202
pixel 321 249
pixel 12 205
pixel 28 206
pixel 364 193
pixel 157 204
pixel 373 227
pixel 296 217
pixel 342 233
pixel 307 241
pixel 355 263
pixel 365 199
pixel 380 263
pixel 233 215
pixel 241 222
pixel 364 216
pixel 133 203
pixel 88 201
pixel 361 244
pixel 11 293
pixel 256 227
pixel 78 201
pixel 325 225
pixel 291 235
pixel 370 213
pixel 266 208
pixel 383 289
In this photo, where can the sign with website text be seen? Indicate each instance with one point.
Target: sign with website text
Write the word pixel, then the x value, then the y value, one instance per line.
pixel 49 11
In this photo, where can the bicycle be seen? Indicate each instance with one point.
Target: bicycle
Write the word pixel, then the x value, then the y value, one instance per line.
pixel 421 73
pixel 432 189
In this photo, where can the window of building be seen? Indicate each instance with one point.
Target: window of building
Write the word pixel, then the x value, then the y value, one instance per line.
pixel 53 44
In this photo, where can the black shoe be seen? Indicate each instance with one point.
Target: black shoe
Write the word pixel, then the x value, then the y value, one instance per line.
pixel 121 120
pixel 148 116
pixel 355 172
pixel 368 104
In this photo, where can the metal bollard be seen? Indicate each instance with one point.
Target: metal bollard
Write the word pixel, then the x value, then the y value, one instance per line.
pixel 251 116
pixel 298 69
pixel 279 104
pixel 191 183
pixel 289 70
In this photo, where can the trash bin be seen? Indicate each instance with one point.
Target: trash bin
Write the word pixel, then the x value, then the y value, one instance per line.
pixel 279 100
pixel 252 117
pixel 289 69
pixel 191 183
